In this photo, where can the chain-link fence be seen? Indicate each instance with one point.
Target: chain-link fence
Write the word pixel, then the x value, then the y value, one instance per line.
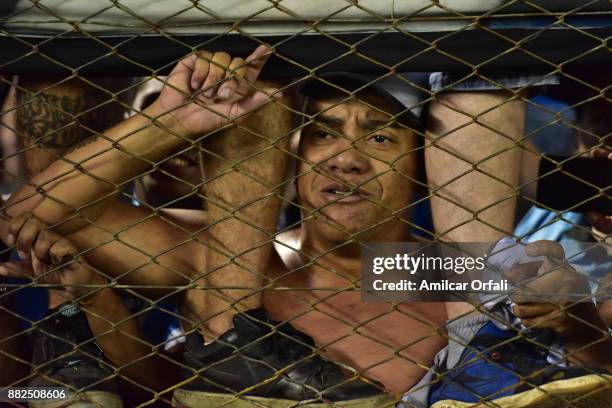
pixel 203 203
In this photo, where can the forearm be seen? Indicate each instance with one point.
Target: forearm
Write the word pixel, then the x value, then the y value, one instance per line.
pixel 472 164
pixel 79 182
pixel 119 336
pixel 243 203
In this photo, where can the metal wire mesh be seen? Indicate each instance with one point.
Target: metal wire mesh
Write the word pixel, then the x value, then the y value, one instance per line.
pixel 162 211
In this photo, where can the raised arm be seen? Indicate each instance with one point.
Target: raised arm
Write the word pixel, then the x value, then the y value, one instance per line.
pixel 204 92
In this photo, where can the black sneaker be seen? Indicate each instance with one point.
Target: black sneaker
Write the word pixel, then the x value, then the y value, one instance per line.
pixel 499 370
pixel 66 355
pixel 262 363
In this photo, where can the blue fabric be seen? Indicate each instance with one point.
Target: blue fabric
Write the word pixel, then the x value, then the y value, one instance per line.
pixel 422 217
pixel 547 125
pixel 539 224
pixel 159 322
pixel 490 368
pixel 28 302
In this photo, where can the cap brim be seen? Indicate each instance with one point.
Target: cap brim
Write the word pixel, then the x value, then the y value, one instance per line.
pixel 346 84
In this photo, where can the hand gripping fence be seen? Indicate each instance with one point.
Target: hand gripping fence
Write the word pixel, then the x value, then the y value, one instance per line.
pixel 141 209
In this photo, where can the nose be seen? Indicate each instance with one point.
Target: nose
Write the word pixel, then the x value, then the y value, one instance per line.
pixel 347 159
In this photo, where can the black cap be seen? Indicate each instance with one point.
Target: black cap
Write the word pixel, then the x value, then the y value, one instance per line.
pixel 400 95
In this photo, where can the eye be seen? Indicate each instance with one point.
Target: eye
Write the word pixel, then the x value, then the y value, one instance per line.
pixel 379 139
pixel 321 135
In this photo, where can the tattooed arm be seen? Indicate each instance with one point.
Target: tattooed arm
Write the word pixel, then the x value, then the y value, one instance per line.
pixel 191 105
pixel 54 119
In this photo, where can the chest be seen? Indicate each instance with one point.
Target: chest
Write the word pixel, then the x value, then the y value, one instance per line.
pixel 386 343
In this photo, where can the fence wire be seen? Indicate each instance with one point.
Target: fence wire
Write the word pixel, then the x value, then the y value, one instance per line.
pixel 166 244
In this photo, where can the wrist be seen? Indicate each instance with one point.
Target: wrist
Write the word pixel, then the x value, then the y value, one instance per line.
pixel 92 294
pixel 166 119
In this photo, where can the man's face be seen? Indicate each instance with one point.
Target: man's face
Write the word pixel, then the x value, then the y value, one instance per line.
pixel 176 177
pixel 355 168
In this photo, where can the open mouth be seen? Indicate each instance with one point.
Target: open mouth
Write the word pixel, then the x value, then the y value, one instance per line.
pixel 343 193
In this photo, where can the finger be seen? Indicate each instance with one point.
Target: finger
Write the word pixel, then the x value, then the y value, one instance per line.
pixel 553 320
pixel 602 153
pixel 180 76
pixel 22 269
pixel 44 241
pixel 558 284
pixel 27 236
pixel 548 281
pixel 40 268
pixel 62 252
pixel 256 62
pixel 519 273
pixel 532 309
pixel 255 101
pixel 216 73
pixel 549 249
pixel 200 69
pixel 235 75
pixel 14 227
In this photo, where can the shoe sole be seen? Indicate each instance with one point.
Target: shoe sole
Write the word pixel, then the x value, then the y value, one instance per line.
pixel 596 390
pixel 199 399
pixel 89 399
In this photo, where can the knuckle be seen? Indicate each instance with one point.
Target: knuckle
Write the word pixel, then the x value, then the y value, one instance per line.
pixel 43 236
pixel 16 223
pixel 222 55
pixel 57 251
pixel 238 63
pixel 204 54
pixel 66 247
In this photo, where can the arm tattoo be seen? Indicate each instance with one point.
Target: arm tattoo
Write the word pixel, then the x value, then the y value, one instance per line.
pixel 58 122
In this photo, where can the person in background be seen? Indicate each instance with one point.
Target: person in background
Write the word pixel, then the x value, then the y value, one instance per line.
pixel 54 117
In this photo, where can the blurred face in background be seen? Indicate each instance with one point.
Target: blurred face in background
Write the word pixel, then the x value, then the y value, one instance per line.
pixel 174 177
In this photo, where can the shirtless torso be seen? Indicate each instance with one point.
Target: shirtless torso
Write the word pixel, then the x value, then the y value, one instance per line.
pixel 393 345
pixel 390 344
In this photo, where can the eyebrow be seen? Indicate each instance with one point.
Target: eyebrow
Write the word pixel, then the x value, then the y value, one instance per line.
pixel 373 124
pixel 331 121
pixel 367 124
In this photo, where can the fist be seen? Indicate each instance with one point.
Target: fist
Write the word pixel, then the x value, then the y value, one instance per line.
pixel 207 90
pixel 48 258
